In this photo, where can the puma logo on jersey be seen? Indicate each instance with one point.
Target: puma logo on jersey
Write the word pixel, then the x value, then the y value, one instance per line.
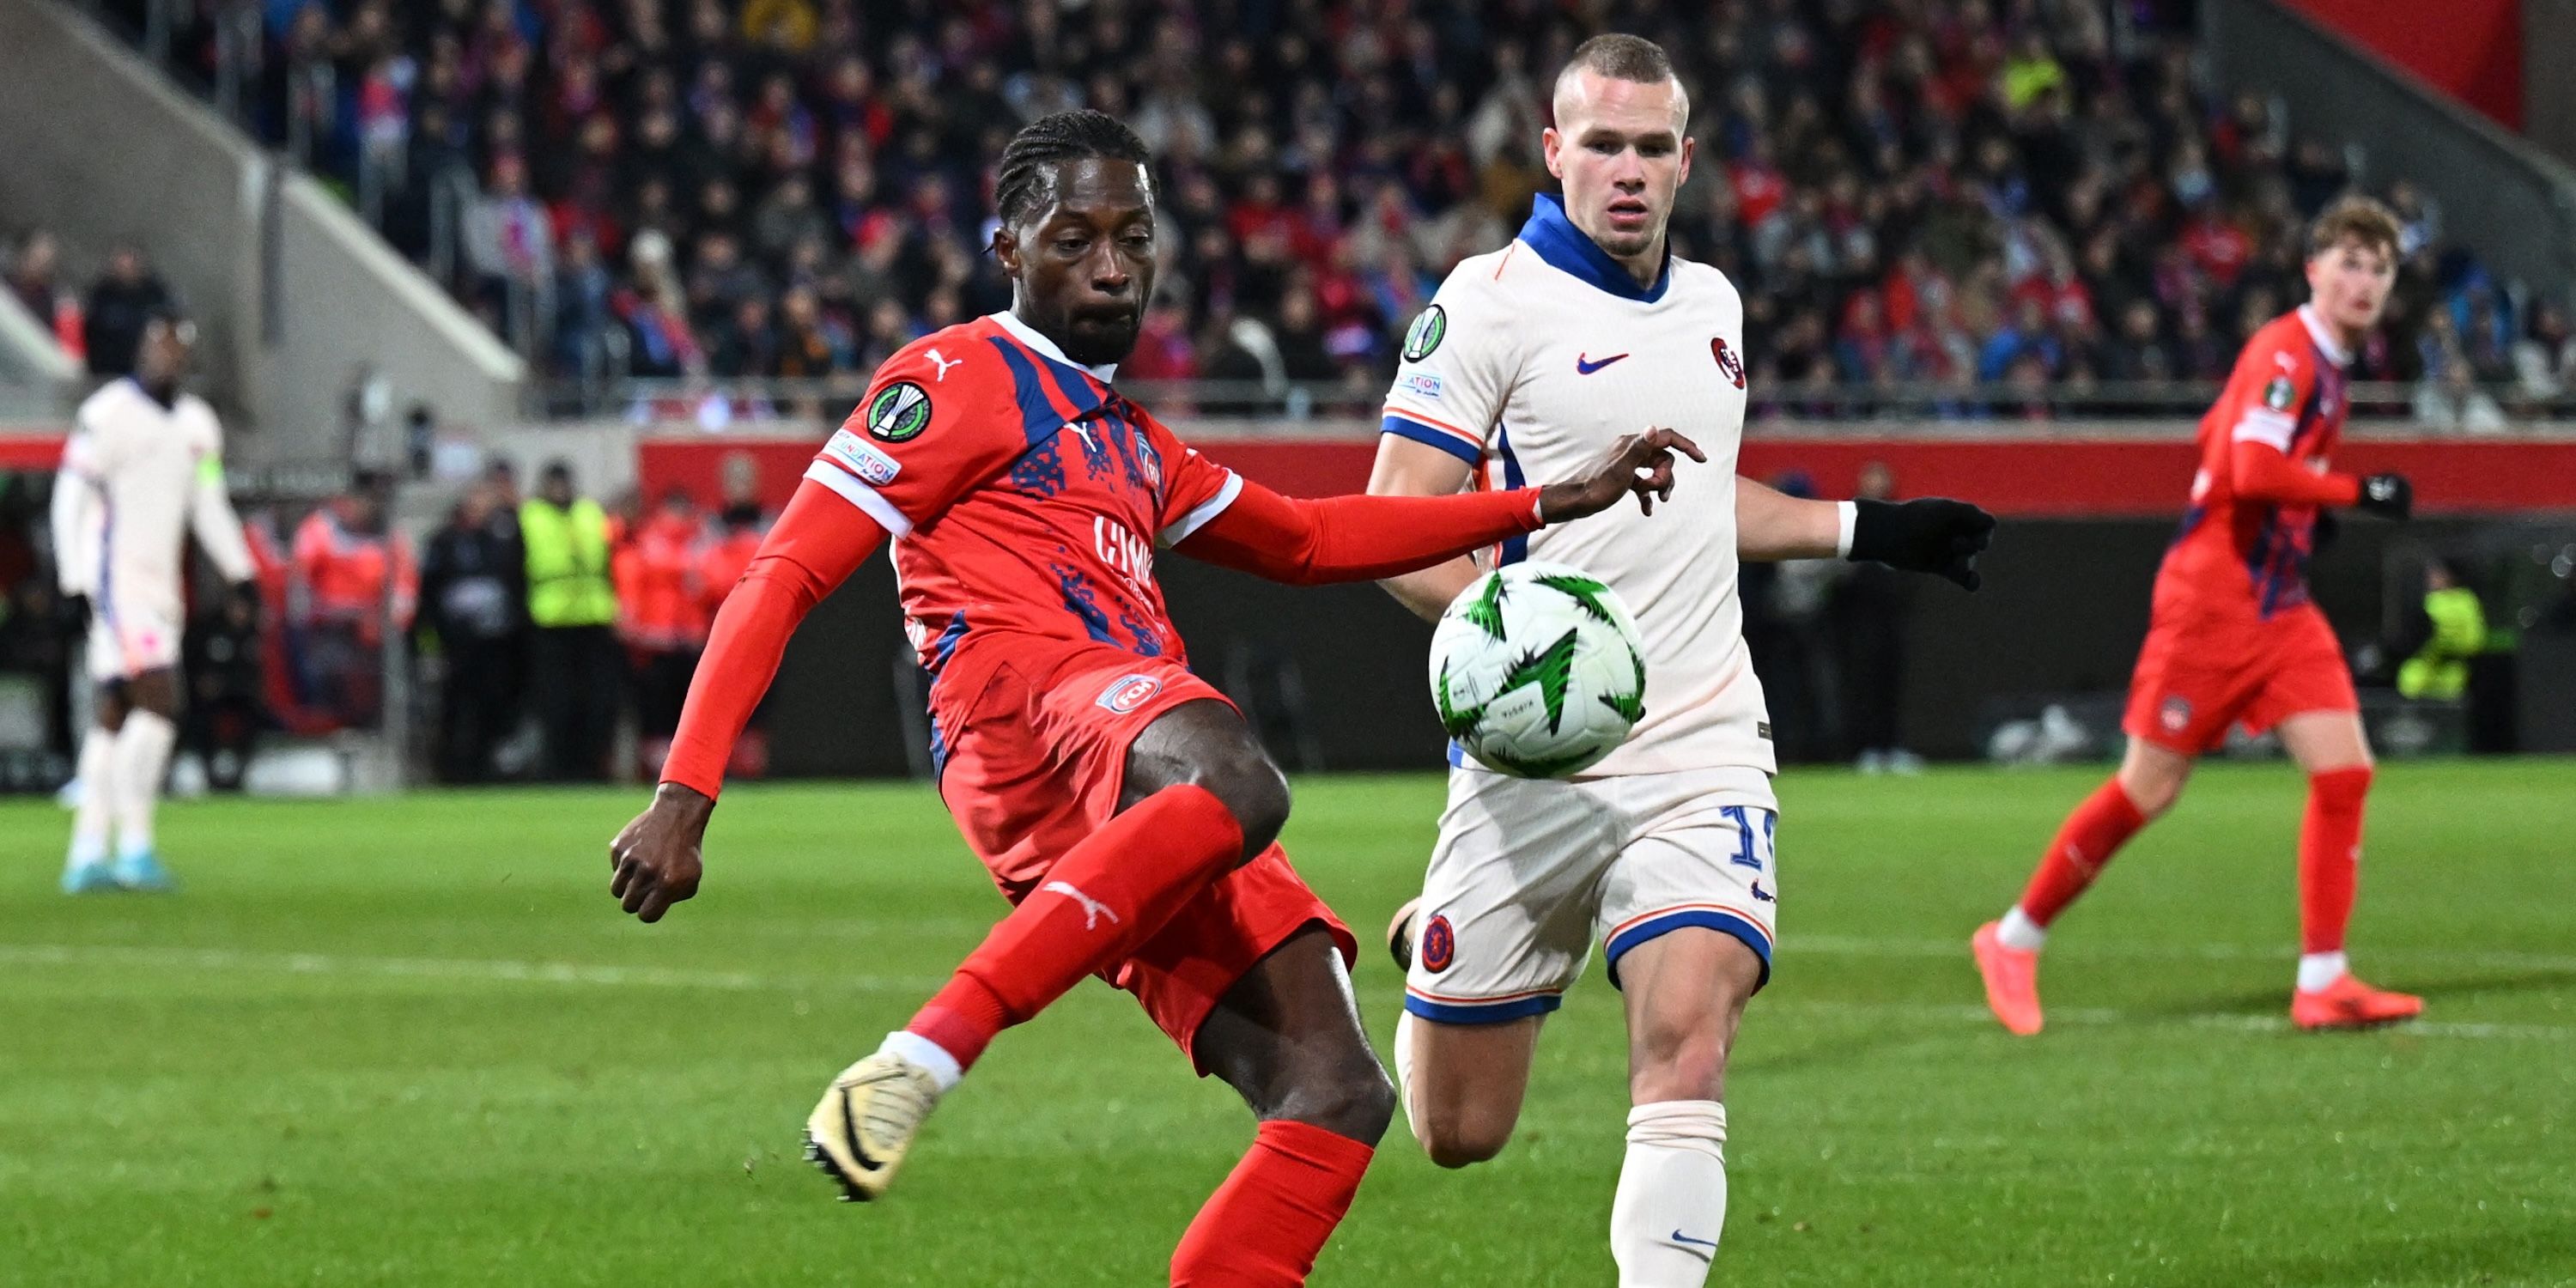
pixel 1083 432
pixel 1092 909
pixel 942 363
pixel 2286 362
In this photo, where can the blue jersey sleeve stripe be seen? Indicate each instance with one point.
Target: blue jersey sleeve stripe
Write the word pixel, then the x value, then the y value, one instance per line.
pixel 1404 427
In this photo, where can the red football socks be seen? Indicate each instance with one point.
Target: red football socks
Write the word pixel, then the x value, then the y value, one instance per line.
pixel 1095 906
pixel 2330 856
pixel 1263 1227
pixel 2092 834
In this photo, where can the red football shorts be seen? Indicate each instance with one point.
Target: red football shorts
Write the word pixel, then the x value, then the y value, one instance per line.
pixel 2196 679
pixel 1036 732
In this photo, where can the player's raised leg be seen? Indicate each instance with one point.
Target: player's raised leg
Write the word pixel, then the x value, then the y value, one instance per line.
pixel 1463 1083
pixel 1287 1037
pixel 2149 781
pixel 142 758
pixel 85 868
pixel 2330 748
pixel 1685 992
pixel 1202 798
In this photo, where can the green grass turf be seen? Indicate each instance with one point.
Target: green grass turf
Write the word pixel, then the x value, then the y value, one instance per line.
pixel 412 1042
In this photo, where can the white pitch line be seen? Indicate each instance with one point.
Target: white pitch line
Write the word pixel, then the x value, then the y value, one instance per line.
pixel 2102 1016
pixel 2477 958
pixel 534 972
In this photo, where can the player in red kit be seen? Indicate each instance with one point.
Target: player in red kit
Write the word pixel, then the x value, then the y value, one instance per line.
pixel 1121 804
pixel 2235 640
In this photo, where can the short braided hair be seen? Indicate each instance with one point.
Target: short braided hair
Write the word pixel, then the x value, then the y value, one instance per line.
pixel 1024 182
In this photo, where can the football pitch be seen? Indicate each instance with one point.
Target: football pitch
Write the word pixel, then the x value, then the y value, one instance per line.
pixel 411 1041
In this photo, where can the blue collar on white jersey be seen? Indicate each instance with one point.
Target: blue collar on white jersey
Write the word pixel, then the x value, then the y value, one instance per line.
pixel 1572 250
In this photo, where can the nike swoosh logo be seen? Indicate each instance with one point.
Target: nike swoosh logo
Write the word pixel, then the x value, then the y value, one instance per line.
pixel 859 1144
pixel 1584 367
pixel 1681 1238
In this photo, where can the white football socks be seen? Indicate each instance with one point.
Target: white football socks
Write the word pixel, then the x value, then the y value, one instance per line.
pixel 914 1049
pixel 1671 1205
pixel 2316 970
pixel 142 756
pixel 91 812
pixel 2019 933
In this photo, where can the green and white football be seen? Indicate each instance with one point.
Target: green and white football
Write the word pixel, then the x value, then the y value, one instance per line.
pixel 1536 670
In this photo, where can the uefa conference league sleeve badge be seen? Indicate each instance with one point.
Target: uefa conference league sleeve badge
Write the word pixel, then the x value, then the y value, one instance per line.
pixel 899 412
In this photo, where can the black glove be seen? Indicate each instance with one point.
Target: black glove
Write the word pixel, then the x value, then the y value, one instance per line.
pixel 75 614
pixel 1934 535
pixel 2389 496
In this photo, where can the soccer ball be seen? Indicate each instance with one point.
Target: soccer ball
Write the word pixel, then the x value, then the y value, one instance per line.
pixel 1536 670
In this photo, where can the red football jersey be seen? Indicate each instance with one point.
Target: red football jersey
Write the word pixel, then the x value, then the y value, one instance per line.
pixel 1023 493
pixel 2237 557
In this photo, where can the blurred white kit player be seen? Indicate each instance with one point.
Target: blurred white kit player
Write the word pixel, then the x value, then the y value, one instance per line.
pixel 1529 359
pixel 143 469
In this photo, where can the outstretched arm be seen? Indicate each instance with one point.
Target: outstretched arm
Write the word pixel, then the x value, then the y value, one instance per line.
pixel 1771 525
pixel 1406 467
pixel 1934 535
pixel 1361 537
pixel 818 542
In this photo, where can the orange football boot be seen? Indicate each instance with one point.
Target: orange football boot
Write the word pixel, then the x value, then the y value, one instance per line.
pixel 2012 980
pixel 2348 1003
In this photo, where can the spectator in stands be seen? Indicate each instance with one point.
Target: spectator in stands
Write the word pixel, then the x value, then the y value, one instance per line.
pixel 509 243
pixel 572 609
pixel 2544 360
pixel 662 617
pixel 352 576
pixel 474 595
pixel 1340 161
pixel 122 302
pixel 34 277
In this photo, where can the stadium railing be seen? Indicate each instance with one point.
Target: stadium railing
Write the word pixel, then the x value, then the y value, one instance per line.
pixel 2501 408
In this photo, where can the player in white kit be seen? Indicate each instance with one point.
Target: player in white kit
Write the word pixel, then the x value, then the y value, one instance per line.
pixel 1529 358
pixel 143 468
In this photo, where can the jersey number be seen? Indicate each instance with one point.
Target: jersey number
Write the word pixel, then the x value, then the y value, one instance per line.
pixel 1745 854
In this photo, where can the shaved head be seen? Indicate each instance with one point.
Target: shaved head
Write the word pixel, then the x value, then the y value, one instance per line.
pixel 1620 146
pixel 1618 57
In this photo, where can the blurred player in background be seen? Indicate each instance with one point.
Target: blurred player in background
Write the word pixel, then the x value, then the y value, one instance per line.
pixel 2235 639
pixel 1529 359
pixel 143 468
pixel 1119 801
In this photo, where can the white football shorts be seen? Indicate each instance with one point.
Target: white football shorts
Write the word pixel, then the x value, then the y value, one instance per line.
pixel 1529 872
pixel 128 641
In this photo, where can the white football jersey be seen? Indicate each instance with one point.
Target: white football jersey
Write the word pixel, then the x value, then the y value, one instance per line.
pixel 136 478
pixel 1528 364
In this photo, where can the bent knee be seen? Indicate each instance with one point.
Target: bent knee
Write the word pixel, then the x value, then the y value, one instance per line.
pixel 2152 793
pixel 1254 791
pixel 1463 1138
pixel 1356 1102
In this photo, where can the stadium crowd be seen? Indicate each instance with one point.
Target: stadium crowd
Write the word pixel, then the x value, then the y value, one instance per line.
pixel 1926 194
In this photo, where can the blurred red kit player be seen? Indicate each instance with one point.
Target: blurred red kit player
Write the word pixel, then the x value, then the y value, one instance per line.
pixel 1121 804
pixel 2236 641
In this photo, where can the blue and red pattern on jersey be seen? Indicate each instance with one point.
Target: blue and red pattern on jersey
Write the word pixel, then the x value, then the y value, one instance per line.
pixel 1024 493
pixel 2237 556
